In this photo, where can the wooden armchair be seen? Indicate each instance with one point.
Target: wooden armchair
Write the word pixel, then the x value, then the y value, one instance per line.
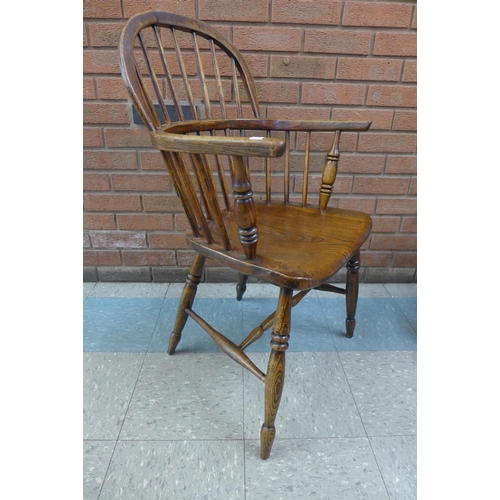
pixel 193 89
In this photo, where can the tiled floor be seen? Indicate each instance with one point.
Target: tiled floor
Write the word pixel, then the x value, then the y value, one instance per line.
pixel 187 426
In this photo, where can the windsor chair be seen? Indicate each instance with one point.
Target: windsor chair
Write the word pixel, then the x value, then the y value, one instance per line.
pixel 176 68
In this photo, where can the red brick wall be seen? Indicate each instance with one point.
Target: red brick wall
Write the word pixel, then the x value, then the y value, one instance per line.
pixel 346 59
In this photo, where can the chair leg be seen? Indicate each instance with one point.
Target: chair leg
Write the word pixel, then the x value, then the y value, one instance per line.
pixel 186 301
pixel 352 288
pixel 275 375
pixel 241 286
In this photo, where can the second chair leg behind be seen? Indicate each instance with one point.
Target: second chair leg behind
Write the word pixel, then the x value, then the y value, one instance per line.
pixel 186 301
pixel 352 288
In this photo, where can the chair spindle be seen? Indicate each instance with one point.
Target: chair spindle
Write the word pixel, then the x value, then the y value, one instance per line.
pixel 329 172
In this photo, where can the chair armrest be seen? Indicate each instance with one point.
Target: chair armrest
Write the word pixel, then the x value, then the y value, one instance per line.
pixel 232 146
pixel 264 124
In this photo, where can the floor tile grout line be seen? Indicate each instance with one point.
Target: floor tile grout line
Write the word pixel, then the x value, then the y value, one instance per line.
pixel 156 322
pixel 402 312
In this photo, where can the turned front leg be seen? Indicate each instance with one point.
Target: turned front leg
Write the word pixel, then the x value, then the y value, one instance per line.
pixel 352 288
pixel 186 301
pixel 275 375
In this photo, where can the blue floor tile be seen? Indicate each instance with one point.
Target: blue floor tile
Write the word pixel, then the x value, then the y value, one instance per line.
pixel 380 326
pixel 409 309
pixel 222 314
pixel 119 324
pixel 309 329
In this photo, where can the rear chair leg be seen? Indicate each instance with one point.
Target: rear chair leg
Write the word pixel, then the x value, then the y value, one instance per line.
pixel 186 301
pixel 352 288
pixel 241 286
pixel 275 375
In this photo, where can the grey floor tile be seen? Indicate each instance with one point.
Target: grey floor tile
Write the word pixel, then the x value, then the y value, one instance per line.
pixel 222 314
pixel 96 458
pixel 316 400
pixel 150 290
pixel 397 460
pixel 87 288
pixel 396 290
pixel 384 385
pixel 309 328
pixel 179 470
pixel 330 469
pixel 186 396
pixel 119 324
pixel 108 382
pixel 380 326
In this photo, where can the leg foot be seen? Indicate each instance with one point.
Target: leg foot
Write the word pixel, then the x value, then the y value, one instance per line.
pixel 186 301
pixel 352 288
pixel 241 286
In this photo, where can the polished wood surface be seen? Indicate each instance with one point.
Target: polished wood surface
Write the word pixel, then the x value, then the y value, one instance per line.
pixel 277 235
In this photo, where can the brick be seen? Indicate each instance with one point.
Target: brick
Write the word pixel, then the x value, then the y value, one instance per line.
pixel 401 165
pixel 395 44
pixel 275 92
pixel 297 113
pixel 168 240
pixel 414 20
pixel 406 259
pixel 413 187
pixel 118 239
pixel 99 221
pixel 258 64
pixel 86 240
pixel 405 120
pixel 389 15
pixel 132 7
pixel 85 39
pixel 95 182
pixel 234 10
pixel 381 119
pixel 92 137
pixel 267 39
pixel 376 259
pixel 343 184
pixel 409 225
pixel 110 160
pixel 149 258
pixel 152 160
pixel 124 274
pixel 303 67
pixel 366 205
pixel 111 88
pixel 392 95
pixel 399 275
pixel 112 203
pixel 185 257
pixel 88 88
pixel 181 222
pixel 100 9
pixel 105 34
pixel 105 113
pixel 101 258
pixel 140 182
pixel 100 61
pixel 387 143
pixel 390 206
pixel 351 68
pixel 170 274
pixel 90 275
pixel 322 141
pixel 410 72
pixel 333 93
pixel 306 12
pixel 387 224
pixel 393 242
pixel 154 203
pixel 337 41
pixel 127 138
pixel 361 164
pixel 146 222
pixel 380 185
